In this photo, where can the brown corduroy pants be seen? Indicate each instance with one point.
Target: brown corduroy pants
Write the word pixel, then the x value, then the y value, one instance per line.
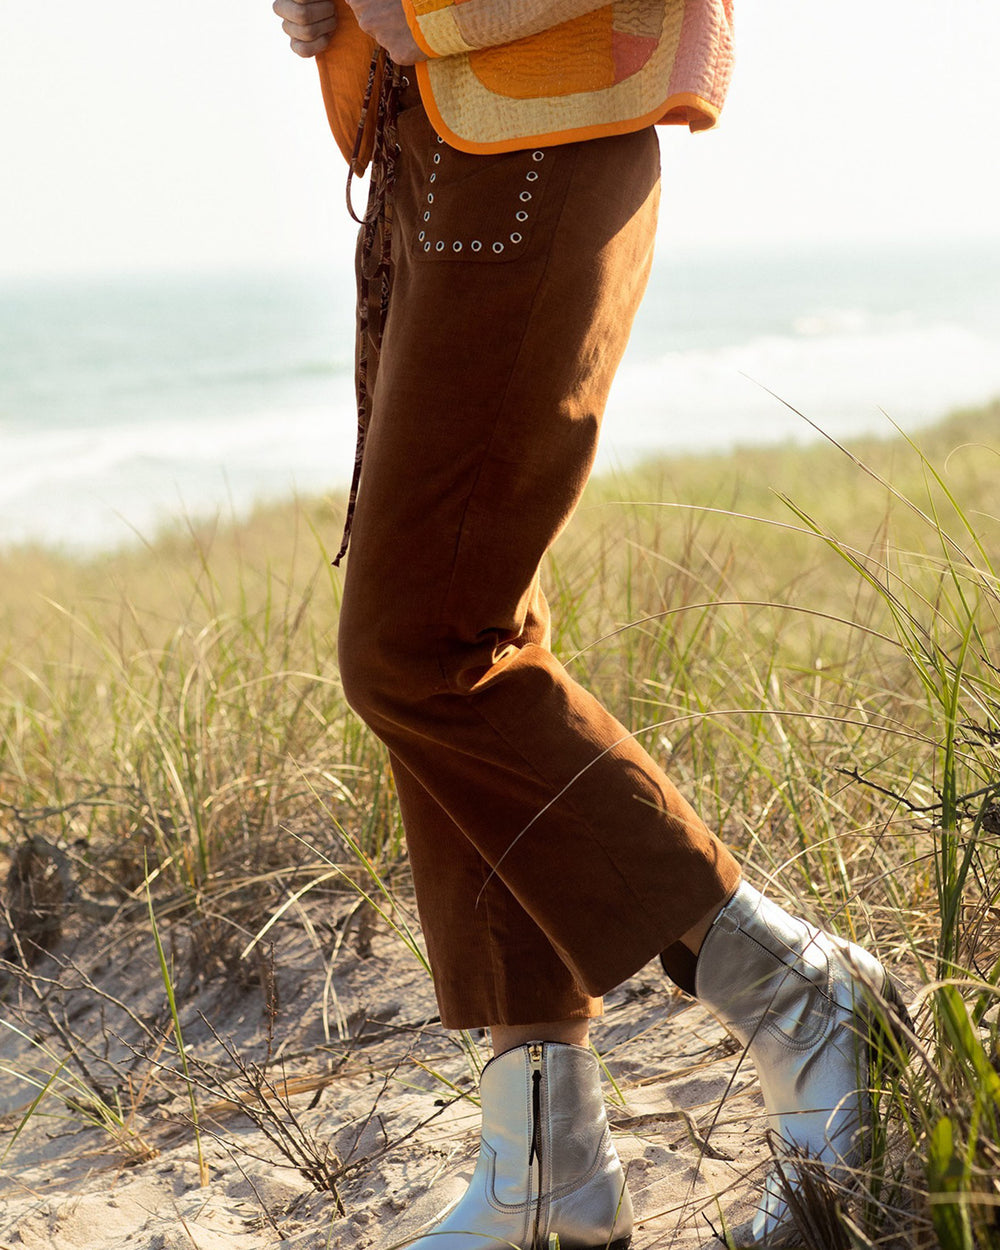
pixel 551 856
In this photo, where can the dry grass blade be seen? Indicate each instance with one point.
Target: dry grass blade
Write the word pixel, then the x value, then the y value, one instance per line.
pixel 817 670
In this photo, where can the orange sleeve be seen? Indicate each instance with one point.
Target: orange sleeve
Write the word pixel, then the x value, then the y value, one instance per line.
pixel 343 76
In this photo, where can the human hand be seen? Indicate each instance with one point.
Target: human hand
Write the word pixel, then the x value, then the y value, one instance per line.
pixel 309 24
pixel 385 21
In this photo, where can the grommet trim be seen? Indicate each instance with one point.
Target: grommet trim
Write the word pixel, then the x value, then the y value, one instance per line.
pixel 497 246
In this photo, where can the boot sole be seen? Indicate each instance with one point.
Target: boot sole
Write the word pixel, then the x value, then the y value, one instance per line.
pixel 889 1031
pixel 622 1243
pixel 889 1041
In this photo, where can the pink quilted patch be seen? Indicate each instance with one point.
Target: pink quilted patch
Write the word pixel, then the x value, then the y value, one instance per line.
pixel 630 52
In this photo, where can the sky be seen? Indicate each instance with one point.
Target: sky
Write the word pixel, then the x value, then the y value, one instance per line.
pixel 178 136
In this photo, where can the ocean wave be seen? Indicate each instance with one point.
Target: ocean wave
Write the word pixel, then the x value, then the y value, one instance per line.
pixel 843 381
pixel 90 476
pixel 97 487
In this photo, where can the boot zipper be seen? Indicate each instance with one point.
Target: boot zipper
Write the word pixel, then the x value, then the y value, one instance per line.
pixel 535 1152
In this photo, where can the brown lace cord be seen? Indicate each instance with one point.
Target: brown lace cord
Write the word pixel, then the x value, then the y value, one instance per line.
pixel 376 247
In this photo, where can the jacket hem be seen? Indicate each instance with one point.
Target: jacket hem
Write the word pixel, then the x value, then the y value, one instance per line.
pixel 681 108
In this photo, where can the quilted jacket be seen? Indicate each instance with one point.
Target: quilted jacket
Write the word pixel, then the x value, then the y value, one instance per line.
pixel 509 74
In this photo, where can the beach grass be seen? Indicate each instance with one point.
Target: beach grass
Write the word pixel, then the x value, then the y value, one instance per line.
pixel 805 637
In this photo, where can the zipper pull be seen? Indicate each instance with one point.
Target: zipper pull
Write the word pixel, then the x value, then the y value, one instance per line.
pixel 535 1056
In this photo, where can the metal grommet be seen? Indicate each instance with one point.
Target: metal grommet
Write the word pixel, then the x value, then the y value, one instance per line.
pixel 476 245
pixel 433 177
pixel 430 197
pixel 437 158
pixel 406 81
pixel 439 246
pixel 525 196
pixel 532 175
pixel 421 236
pixel 515 237
pixel 427 247
pixel 439 139
pixel 538 156
pixel 521 215
pixel 456 246
pixel 498 247
pixel 427 216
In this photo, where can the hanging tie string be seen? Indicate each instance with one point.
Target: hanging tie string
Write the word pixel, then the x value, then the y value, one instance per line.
pixel 374 282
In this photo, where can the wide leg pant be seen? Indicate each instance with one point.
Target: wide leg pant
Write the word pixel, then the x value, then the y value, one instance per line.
pixel 552 858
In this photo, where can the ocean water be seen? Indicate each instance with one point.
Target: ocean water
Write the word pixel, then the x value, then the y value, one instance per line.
pixel 127 402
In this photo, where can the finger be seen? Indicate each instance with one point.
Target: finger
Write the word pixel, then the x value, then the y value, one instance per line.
pixel 310 33
pixel 304 12
pixel 310 47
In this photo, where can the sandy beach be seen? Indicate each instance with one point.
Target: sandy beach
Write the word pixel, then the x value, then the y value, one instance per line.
pixel 366 1083
pixel 174 743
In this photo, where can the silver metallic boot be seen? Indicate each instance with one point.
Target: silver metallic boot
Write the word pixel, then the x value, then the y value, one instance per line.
pixel 806 1005
pixel 546 1161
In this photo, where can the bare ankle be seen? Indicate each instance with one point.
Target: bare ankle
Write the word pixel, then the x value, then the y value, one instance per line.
pixel 573 1032
pixel 698 932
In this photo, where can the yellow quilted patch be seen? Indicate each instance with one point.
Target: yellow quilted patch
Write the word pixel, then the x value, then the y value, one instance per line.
pixel 441 31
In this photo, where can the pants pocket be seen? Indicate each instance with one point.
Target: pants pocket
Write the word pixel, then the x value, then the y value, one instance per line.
pixel 478 207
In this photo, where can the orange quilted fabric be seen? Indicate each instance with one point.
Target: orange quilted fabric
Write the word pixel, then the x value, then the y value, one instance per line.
pixel 508 74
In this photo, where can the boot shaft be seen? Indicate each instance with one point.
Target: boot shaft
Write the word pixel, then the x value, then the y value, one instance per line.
pixel 546 1160
pixel 543 1117
pixel 763 970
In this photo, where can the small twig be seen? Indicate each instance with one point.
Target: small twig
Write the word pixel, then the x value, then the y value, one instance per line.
pixel 26 977
pixel 27 816
pixel 919 809
pixel 916 808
